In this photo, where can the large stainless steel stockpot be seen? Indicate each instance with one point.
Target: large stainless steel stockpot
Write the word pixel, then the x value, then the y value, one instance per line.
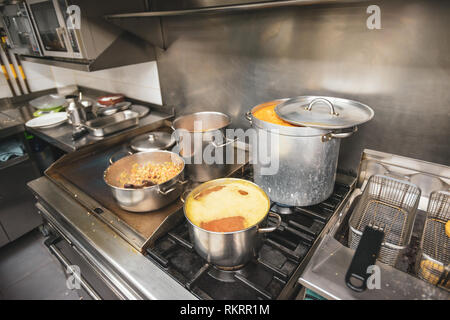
pixel 306 156
pixel 147 198
pixel 196 136
pixel 228 249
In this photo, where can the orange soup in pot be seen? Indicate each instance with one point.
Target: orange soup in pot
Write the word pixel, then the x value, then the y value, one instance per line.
pixel 267 113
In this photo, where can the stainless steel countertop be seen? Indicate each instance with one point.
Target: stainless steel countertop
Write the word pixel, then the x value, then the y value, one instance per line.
pixel 61 136
pixel 9 125
pixel 133 275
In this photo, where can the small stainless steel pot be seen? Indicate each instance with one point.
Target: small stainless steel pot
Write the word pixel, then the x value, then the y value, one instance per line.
pixel 213 124
pixel 228 249
pixel 147 198
pixel 150 141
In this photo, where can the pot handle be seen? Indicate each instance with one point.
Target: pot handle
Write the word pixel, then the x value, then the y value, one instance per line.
pixel 111 161
pixel 327 102
pixel 342 135
pixel 248 116
pixel 183 195
pixel 271 229
pixel 166 192
pixel 228 141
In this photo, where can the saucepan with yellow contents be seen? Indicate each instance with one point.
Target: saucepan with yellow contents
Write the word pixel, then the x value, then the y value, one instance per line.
pixel 227 220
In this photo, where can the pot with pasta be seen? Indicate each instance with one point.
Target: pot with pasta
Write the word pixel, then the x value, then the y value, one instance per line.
pixel 227 220
pixel 146 181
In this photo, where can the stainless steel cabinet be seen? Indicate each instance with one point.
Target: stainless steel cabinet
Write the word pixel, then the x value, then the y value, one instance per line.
pixel 17 212
pixel 18 26
pixel 50 18
pixel 74 34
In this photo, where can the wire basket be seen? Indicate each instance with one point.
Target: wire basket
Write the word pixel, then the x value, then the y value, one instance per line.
pixel 434 261
pixel 389 205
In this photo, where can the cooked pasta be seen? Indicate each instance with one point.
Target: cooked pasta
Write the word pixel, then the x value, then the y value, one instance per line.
pixel 149 174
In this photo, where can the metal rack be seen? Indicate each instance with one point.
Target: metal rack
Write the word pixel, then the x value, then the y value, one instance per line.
pixel 388 204
pixel 434 262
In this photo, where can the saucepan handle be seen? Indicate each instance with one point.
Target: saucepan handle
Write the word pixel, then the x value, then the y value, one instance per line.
pixel 166 192
pixel 228 141
pixel 184 195
pixel 365 255
pixel 275 227
pixel 124 153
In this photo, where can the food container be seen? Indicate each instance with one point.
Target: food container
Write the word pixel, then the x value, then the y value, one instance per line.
pixel 110 99
pixel 228 249
pixel 112 109
pixel 213 124
pixel 305 154
pixel 100 127
pixel 147 198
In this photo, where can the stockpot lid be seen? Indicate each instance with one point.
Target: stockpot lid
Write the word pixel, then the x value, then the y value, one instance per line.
pixel 157 140
pixel 324 112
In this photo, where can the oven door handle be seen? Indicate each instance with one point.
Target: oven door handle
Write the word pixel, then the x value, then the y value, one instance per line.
pixel 50 243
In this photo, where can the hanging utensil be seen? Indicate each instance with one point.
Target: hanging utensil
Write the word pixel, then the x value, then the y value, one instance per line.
pixel 8 79
pixel 11 65
pixel 22 73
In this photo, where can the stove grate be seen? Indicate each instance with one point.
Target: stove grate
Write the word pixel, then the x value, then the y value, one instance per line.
pixel 262 278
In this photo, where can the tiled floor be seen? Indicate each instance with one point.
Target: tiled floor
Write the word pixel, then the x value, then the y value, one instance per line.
pixel 29 271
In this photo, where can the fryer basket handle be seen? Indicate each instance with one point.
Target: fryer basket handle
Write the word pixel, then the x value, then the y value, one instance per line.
pixel 365 255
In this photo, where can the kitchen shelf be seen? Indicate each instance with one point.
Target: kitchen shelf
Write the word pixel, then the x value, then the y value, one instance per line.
pixel 140 23
pixel 230 8
pixel 13 161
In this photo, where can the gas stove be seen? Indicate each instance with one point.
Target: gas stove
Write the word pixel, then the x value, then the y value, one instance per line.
pixel 272 274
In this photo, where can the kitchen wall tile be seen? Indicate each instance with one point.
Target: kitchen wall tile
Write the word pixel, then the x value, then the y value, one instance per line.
pixel 148 94
pixel 5 91
pixel 41 84
pixel 139 81
pixel 142 74
pixel 37 70
pixel 63 77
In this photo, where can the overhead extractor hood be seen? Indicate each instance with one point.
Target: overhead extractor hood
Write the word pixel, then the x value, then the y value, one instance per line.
pixel 147 24
pixel 74 34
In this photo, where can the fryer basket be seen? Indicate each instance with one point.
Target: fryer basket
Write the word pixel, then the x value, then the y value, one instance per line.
pixel 434 261
pixel 387 204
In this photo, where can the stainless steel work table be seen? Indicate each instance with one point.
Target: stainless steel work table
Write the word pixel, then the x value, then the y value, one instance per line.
pixel 9 126
pixel 61 136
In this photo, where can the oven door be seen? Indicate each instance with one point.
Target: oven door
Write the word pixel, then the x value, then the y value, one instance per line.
pixel 82 275
pixel 49 17
pixel 19 29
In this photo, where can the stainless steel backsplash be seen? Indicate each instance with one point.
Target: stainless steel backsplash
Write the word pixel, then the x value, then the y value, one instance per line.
pixel 231 62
